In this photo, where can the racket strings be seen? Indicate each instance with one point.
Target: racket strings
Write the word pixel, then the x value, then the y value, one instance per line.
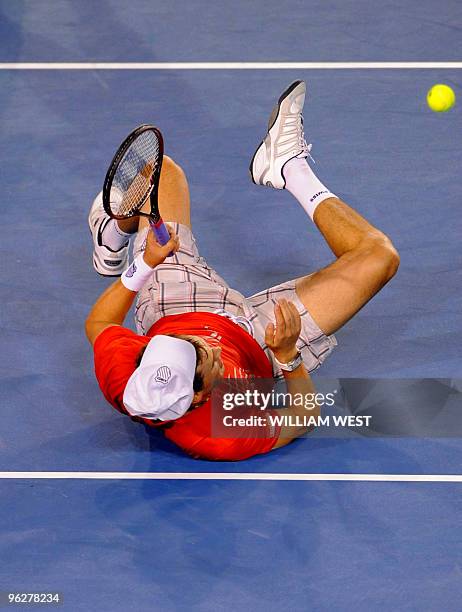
pixel 131 184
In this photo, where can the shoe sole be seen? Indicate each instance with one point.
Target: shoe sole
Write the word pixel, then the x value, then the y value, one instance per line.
pixel 95 264
pixel 101 274
pixel 272 121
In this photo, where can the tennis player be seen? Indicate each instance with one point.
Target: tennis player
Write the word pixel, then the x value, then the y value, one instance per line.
pixel 193 330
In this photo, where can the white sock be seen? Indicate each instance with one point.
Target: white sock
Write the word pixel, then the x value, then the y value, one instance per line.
pixel 113 237
pixel 304 185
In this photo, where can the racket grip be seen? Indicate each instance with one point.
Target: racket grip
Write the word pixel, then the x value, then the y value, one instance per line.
pixel 160 232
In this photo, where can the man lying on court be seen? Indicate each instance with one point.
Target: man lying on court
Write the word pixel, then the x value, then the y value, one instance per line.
pixel 193 329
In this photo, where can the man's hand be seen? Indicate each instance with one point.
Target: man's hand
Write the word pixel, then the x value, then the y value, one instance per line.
pixel 282 338
pixel 154 253
pixel 112 306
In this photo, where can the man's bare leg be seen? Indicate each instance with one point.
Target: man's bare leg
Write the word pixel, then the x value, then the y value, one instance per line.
pixel 366 257
pixel 367 260
pixel 174 202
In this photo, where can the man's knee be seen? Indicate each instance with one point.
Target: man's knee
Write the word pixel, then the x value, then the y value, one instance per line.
pixel 385 254
pixel 170 167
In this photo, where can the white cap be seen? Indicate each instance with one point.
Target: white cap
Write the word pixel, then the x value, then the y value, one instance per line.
pixel 161 387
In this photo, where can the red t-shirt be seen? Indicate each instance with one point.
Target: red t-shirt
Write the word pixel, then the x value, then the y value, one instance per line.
pixel 117 348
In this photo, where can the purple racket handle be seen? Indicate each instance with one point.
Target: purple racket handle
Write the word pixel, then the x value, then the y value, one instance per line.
pixel 160 232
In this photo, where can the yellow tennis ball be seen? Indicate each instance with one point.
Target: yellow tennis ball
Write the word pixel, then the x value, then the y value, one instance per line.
pixel 441 98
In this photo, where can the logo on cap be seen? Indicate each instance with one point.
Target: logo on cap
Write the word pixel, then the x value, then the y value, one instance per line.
pixel 163 375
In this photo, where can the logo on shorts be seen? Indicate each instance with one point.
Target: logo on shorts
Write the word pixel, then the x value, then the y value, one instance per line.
pixel 163 375
pixel 131 270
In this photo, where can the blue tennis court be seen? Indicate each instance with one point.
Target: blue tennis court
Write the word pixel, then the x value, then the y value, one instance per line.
pixel 101 509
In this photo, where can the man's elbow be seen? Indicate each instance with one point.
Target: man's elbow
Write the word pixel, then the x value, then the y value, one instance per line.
pixel 93 329
pixel 87 328
pixel 300 426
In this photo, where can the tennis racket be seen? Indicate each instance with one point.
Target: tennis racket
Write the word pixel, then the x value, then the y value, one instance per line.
pixel 133 177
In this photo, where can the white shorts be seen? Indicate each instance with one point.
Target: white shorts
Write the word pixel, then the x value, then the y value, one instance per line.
pixel 185 283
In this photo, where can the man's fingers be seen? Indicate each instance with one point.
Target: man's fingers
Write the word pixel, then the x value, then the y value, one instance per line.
pixel 269 334
pixel 297 317
pixel 173 236
pixel 280 322
pixel 172 245
pixel 288 321
pixel 287 316
pixel 163 250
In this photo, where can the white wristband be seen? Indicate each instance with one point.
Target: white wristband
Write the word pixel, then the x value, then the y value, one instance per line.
pixel 136 274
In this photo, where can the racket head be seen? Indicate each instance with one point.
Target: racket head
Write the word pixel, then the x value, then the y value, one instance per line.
pixel 134 172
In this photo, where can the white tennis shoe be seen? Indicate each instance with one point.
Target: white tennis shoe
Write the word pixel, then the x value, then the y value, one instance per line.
pixel 284 140
pixel 105 261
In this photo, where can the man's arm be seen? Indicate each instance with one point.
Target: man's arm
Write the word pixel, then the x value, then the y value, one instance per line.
pixel 298 382
pixel 112 306
pixel 281 339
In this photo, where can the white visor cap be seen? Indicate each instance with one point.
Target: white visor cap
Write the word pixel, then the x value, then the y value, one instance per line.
pixel 161 387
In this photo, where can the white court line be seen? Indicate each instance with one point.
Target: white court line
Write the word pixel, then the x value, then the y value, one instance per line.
pixel 231 476
pixel 226 65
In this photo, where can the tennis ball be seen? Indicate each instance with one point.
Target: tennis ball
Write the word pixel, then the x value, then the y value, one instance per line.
pixel 441 98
